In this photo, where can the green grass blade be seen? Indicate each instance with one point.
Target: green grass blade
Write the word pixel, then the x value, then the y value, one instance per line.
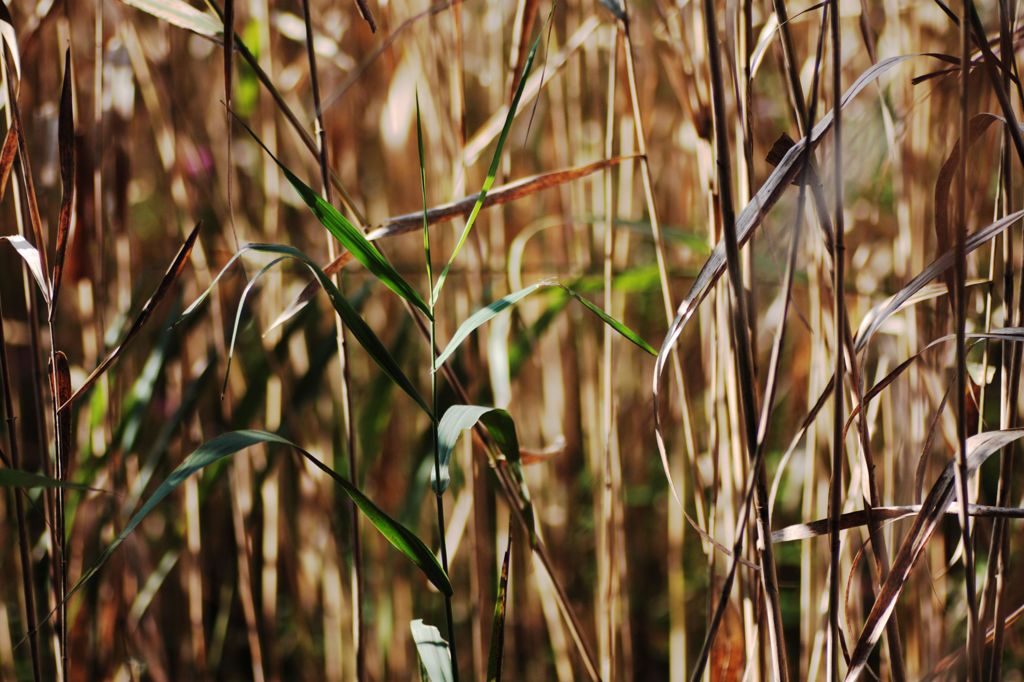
pixel 484 315
pixel 492 172
pixel 347 234
pixel 230 443
pixel 435 659
pixel 493 309
pixel 16 478
pixel 613 323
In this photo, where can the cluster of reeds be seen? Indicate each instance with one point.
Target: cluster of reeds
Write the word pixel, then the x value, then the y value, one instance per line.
pixel 326 340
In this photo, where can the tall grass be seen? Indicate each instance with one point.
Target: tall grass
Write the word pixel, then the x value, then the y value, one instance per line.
pixel 254 428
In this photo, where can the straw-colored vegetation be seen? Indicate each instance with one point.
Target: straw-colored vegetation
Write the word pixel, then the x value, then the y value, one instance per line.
pixel 481 340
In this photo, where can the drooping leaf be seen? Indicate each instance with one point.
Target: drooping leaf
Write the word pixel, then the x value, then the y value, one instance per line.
pixel 502 429
pixel 431 647
pixel 180 14
pixel 175 268
pixel 230 443
pixel 347 234
pixel 353 321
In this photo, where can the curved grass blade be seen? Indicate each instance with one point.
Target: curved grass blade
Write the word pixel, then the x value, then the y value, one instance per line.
pixel 10 38
pixel 66 152
pixel 30 255
pixel 930 272
pixel 431 647
pixel 495 308
pixel 492 172
pixel 502 429
pixel 347 234
pixel 180 14
pixel 175 268
pixel 238 318
pixel 497 648
pixel 230 443
pixel 980 447
pixel 353 321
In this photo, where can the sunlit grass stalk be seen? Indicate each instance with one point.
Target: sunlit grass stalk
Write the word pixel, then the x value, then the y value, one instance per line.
pixel 346 402
pixel 438 492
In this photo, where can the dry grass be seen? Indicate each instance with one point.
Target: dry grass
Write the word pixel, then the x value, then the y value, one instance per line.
pixel 260 290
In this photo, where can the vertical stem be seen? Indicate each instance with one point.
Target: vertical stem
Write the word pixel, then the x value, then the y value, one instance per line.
pixel 358 631
pixel 973 644
pixel 438 493
pixel 839 264
pixel 744 351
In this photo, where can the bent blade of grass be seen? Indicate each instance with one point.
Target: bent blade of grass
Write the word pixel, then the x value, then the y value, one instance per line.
pixel 250 285
pixel 980 447
pixel 492 172
pixel 227 444
pixel 432 649
pixel 347 234
pixel 172 273
pixel 495 308
pixel 353 321
pixel 502 429
pixel 180 14
pixel 930 272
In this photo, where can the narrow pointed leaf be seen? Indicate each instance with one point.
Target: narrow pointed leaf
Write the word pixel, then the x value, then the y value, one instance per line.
pixel 66 152
pixel 16 478
pixel 495 308
pixel 347 234
pixel 492 172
